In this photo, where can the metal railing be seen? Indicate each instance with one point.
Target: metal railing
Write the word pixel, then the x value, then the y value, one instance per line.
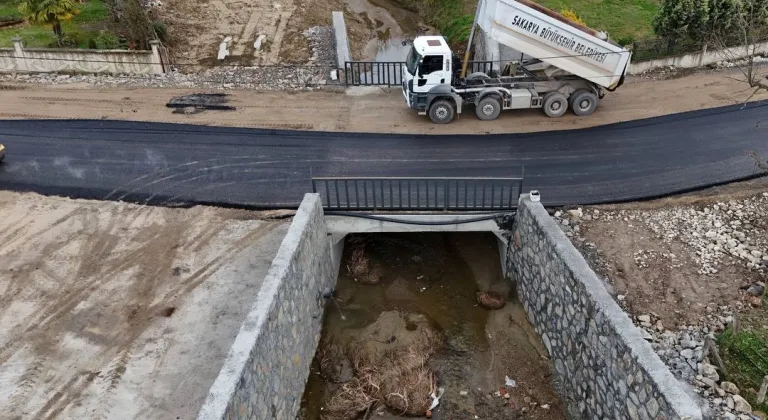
pixel 390 73
pixel 428 194
pixel 373 73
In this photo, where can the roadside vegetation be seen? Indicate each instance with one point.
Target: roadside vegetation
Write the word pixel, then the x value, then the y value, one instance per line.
pixel 77 23
pixel 625 21
pixel 745 354
pixel 652 28
pixel 94 24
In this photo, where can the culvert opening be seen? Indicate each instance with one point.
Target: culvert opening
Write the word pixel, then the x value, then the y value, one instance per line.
pixel 417 315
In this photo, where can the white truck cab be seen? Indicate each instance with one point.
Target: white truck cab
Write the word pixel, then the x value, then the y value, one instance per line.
pixel 428 74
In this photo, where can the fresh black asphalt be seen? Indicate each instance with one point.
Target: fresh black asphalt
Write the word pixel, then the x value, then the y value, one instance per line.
pixel 169 163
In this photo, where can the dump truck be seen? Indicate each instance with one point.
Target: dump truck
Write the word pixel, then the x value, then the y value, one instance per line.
pixel 568 66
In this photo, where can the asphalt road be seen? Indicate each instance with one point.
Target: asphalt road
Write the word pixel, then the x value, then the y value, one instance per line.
pixel 169 163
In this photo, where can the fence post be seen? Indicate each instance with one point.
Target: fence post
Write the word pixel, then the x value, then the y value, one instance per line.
pixel 157 62
pixel 20 57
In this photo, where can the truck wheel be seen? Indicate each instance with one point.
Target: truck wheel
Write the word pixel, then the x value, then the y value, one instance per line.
pixel 555 104
pixel 488 108
pixel 583 103
pixel 441 112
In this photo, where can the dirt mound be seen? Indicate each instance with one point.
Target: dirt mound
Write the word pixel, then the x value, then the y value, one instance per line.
pixel 361 267
pixel 389 359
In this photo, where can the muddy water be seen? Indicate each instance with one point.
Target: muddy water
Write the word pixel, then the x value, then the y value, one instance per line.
pixel 394 26
pixel 438 276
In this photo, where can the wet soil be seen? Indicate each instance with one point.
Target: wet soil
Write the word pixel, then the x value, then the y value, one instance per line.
pixel 438 276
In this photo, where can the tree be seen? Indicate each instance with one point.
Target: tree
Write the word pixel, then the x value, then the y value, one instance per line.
pixel 680 19
pixel 746 26
pixel 49 12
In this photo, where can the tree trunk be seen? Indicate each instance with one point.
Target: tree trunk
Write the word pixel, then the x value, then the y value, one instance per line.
pixel 57 30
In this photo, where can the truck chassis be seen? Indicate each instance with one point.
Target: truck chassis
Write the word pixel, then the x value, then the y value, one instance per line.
pixel 491 94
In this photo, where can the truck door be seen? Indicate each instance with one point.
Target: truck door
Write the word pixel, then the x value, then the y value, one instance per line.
pixel 432 72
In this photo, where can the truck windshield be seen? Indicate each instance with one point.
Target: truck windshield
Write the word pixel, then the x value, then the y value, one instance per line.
pixel 412 62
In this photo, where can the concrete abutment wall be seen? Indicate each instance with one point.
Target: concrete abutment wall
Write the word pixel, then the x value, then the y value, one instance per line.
pixel 607 368
pixel 268 365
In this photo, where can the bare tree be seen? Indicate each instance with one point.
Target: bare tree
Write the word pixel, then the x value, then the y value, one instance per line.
pixel 738 41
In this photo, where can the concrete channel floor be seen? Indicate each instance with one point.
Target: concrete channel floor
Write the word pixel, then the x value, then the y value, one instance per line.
pixel 111 310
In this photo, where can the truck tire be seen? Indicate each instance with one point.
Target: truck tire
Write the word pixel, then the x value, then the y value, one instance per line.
pixel 488 108
pixel 583 102
pixel 441 111
pixel 555 104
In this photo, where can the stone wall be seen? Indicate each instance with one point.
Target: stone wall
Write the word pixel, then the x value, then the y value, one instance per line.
pixel 268 365
pixel 64 60
pixel 606 368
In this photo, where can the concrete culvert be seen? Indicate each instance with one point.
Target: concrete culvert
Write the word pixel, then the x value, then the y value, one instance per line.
pixel 387 347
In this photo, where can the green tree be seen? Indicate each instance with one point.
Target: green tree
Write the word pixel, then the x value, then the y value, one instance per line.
pixel 49 12
pixel 680 19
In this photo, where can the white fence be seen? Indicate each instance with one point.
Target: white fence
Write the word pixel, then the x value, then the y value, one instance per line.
pixel 50 60
pixel 699 59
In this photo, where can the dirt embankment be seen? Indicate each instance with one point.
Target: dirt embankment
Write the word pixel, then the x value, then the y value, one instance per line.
pixel 112 310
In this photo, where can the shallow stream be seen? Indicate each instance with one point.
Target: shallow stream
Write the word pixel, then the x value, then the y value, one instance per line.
pixel 490 364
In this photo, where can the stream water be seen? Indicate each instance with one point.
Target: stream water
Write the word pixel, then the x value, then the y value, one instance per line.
pixel 426 285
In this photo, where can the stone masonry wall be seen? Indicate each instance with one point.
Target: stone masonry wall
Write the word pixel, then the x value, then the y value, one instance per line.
pixel 268 365
pixel 606 368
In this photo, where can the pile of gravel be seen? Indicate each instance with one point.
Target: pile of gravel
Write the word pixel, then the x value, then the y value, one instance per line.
pixel 223 77
pixel 683 351
pixel 734 229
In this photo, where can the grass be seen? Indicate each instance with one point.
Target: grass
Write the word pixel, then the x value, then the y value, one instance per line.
pixel 745 355
pixel 93 18
pixel 622 19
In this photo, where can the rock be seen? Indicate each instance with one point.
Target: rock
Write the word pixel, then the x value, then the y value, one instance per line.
pixel 644 318
pixel 708 371
pixel 576 213
pixel 730 387
pixel 729 403
pixel 659 326
pixel 687 353
pixel 491 300
pixel 741 405
pixel 756 289
pixel 709 383
pixel 646 335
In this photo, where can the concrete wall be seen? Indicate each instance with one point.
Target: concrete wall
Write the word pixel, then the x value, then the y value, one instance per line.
pixel 340 39
pixel 699 59
pixel 268 365
pixel 606 368
pixel 50 60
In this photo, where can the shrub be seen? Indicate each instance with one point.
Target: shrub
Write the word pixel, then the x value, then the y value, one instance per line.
pixel 571 15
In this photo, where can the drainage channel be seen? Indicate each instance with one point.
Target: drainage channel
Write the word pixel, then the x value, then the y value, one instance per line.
pixel 416 316
pixel 361 319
